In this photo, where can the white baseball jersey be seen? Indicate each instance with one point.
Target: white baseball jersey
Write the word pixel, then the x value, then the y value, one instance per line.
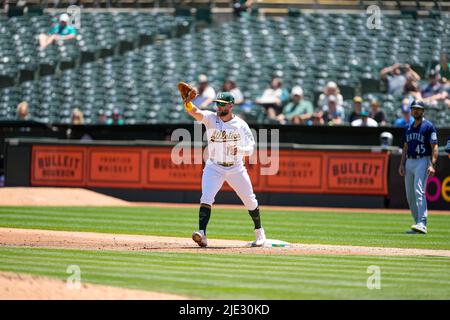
pixel 222 136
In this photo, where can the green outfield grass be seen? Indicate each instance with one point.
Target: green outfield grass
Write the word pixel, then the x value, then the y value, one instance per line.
pixel 362 228
pixel 226 276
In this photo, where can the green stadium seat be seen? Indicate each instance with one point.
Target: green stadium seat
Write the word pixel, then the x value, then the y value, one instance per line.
pixel 308 50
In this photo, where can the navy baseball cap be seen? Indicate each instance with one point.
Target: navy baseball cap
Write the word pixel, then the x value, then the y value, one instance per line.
pixel 225 97
pixel 447 147
pixel 417 104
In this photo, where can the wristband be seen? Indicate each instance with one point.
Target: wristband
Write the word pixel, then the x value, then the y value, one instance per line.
pixel 188 106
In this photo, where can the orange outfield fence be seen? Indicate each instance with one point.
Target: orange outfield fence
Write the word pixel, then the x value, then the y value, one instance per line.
pixel 299 171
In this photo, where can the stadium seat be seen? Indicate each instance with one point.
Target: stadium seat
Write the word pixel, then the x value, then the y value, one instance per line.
pixel 308 50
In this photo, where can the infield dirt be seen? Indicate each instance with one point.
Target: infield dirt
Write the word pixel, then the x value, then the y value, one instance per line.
pixel 20 287
pixel 105 241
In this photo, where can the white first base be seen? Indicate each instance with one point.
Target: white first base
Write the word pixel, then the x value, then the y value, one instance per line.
pixel 271 243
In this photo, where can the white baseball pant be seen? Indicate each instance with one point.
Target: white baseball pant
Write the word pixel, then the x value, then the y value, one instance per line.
pixel 236 176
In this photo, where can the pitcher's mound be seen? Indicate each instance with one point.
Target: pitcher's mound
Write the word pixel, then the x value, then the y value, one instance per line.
pixel 19 196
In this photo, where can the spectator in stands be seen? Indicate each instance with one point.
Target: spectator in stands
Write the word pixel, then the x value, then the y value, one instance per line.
pixel 443 68
pixel 273 98
pixel 116 118
pixel 406 118
pixel 357 102
pixel 206 93
pixel 334 113
pixel 230 86
pixel 441 97
pixel 331 89
pixel 101 117
pixel 434 86
pixel 22 111
pixel 446 94
pixel 412 90
pixel 377 113
pixel 61 31
pixel 396 76
pixel 241 6
pixel 77 116
pixel 364 120
pixel 316 119
pixel 298 110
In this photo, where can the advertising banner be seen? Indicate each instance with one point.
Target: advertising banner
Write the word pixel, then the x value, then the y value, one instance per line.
pixel 166 171
pixel 437 189
pixel 356 173
pixel 115 167
pixel 58 166
pixel 299 171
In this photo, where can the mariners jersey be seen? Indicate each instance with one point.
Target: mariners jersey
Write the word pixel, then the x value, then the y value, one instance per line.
pixel 419 139
pixel 223 135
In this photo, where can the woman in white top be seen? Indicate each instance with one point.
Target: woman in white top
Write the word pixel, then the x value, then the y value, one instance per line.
pixel 331 89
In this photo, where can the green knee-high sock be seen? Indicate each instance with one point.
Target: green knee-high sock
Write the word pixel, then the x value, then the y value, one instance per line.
pixel 256 218
pixel 203 216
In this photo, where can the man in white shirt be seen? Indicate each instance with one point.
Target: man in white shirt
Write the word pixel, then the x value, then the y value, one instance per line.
pixel 229 141
pixel 206 93
pixel 364 121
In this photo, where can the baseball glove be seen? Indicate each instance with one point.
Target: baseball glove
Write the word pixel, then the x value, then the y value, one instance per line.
pixel 188 92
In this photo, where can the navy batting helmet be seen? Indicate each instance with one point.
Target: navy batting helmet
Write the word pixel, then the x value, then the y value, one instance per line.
pixel 417 104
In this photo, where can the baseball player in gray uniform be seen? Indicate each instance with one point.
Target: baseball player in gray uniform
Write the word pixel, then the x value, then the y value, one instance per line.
pixel 229 141
pixel 419 157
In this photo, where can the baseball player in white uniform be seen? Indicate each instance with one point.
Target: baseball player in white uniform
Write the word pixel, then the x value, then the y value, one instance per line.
pixel 229 141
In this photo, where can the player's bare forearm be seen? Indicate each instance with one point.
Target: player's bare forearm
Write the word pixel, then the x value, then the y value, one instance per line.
pixel 431 171
pixel 434 154
pixel 404 152
pixel 401 169
pixel 193 111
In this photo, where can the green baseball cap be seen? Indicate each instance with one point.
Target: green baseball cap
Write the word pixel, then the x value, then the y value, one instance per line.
pixel 225 97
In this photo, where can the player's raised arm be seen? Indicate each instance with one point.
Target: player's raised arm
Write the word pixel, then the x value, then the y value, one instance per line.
pixel 188 93
pixel 195 112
